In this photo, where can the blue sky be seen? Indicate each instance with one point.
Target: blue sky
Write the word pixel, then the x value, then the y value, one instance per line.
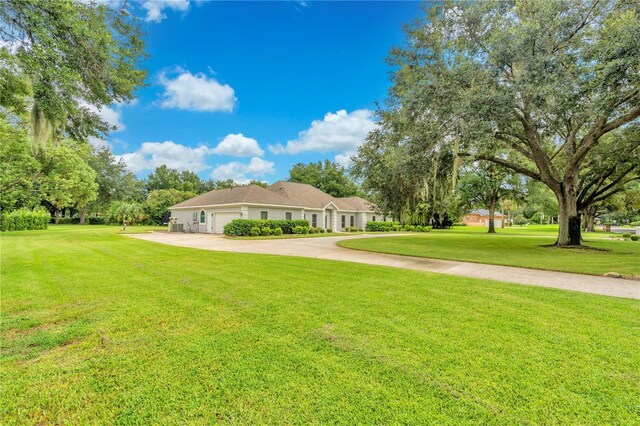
pixel 244 90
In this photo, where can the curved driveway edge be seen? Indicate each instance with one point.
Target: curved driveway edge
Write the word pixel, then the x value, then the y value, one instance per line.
pixel 326 248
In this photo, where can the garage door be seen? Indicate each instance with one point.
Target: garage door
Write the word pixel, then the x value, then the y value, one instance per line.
pixel 221 219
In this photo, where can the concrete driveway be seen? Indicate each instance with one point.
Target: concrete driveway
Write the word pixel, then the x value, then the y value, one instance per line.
pixel 326 248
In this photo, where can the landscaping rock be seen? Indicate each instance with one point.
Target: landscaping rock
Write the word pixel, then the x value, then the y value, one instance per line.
pixel 613 275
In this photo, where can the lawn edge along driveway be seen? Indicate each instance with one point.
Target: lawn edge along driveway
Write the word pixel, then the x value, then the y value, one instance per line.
pixel 327 248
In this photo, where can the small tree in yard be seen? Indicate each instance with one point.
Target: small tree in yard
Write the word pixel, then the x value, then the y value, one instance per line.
pixel 158 202
pixel 68 180
pixel 486 184
pixel 542 81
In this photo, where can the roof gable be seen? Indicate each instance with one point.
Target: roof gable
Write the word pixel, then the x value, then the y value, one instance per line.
pixel 281 193
pixel 252 194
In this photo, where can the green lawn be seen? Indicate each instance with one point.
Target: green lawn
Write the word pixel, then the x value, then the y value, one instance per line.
pixel 513 247
pixel 99 328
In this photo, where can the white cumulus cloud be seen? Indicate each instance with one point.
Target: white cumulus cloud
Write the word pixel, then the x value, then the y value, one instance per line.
pixel 339 131
pixel 155 8
pixel 238 145
pixel 176 156
pixel 241 172
pixel 196 92
pixel 344 159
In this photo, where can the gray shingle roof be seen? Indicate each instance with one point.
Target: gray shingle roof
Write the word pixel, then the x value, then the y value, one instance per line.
pixel 252 194
pixel 281 193
pixel 301 194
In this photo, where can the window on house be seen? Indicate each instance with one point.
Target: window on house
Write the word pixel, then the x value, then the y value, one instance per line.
pixel 287 215
pixel 352 221
pixel 314 220
pixel 202 216
pixel 344 221
pixel 264 215
pixel 374 218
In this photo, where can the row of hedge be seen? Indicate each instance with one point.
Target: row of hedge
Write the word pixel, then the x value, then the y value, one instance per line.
pixel 24 220
pixel 242 227
pixel 392 226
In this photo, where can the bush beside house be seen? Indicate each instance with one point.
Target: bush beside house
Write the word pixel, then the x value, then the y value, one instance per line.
pixel 242 227
pixel 394 226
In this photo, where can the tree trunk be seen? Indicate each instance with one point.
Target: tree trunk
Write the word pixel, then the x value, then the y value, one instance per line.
pixel 492 211
pixel 83 212
pixel 589 219
pixel 57 220
pixel 569 233
pixel 502 213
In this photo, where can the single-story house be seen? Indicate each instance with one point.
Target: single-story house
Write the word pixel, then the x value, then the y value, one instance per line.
pixel 481 218
pixel 210 212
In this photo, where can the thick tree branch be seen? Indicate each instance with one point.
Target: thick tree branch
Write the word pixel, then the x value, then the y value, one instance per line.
pixel 513 144
pixel 600 193
pixel 507 164
pixel 591 139
pixel 614 191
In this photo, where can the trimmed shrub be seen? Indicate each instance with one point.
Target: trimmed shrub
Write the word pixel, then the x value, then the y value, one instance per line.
pixel 277 231
pixel 381 226
pixel 329 230
pixel 96 221
pixel 635 238
pixel 242 227
pixel 411 228
pixel 297 230
pixel 254 232
pixel 397 227
pixel 265 231
pixel 312 230
pixel 626 235
pixel 426 229
pixel 322 231
pixel 419 228
pixel 305 230
pixel 24 220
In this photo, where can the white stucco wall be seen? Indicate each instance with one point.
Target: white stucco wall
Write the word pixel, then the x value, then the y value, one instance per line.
pixel 185 217
pixel 274 213
pixel 333 221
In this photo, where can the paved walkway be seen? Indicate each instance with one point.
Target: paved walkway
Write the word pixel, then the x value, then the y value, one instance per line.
pixel 326 248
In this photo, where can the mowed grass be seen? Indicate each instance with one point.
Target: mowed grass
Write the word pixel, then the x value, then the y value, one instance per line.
pixel 99 328
pixel 524 247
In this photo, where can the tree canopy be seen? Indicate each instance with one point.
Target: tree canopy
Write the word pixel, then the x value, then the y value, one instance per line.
pixel 329 177
pixel 63 60
pixel 530 86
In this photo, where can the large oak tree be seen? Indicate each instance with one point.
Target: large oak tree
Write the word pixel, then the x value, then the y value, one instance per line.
pixel 541 81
